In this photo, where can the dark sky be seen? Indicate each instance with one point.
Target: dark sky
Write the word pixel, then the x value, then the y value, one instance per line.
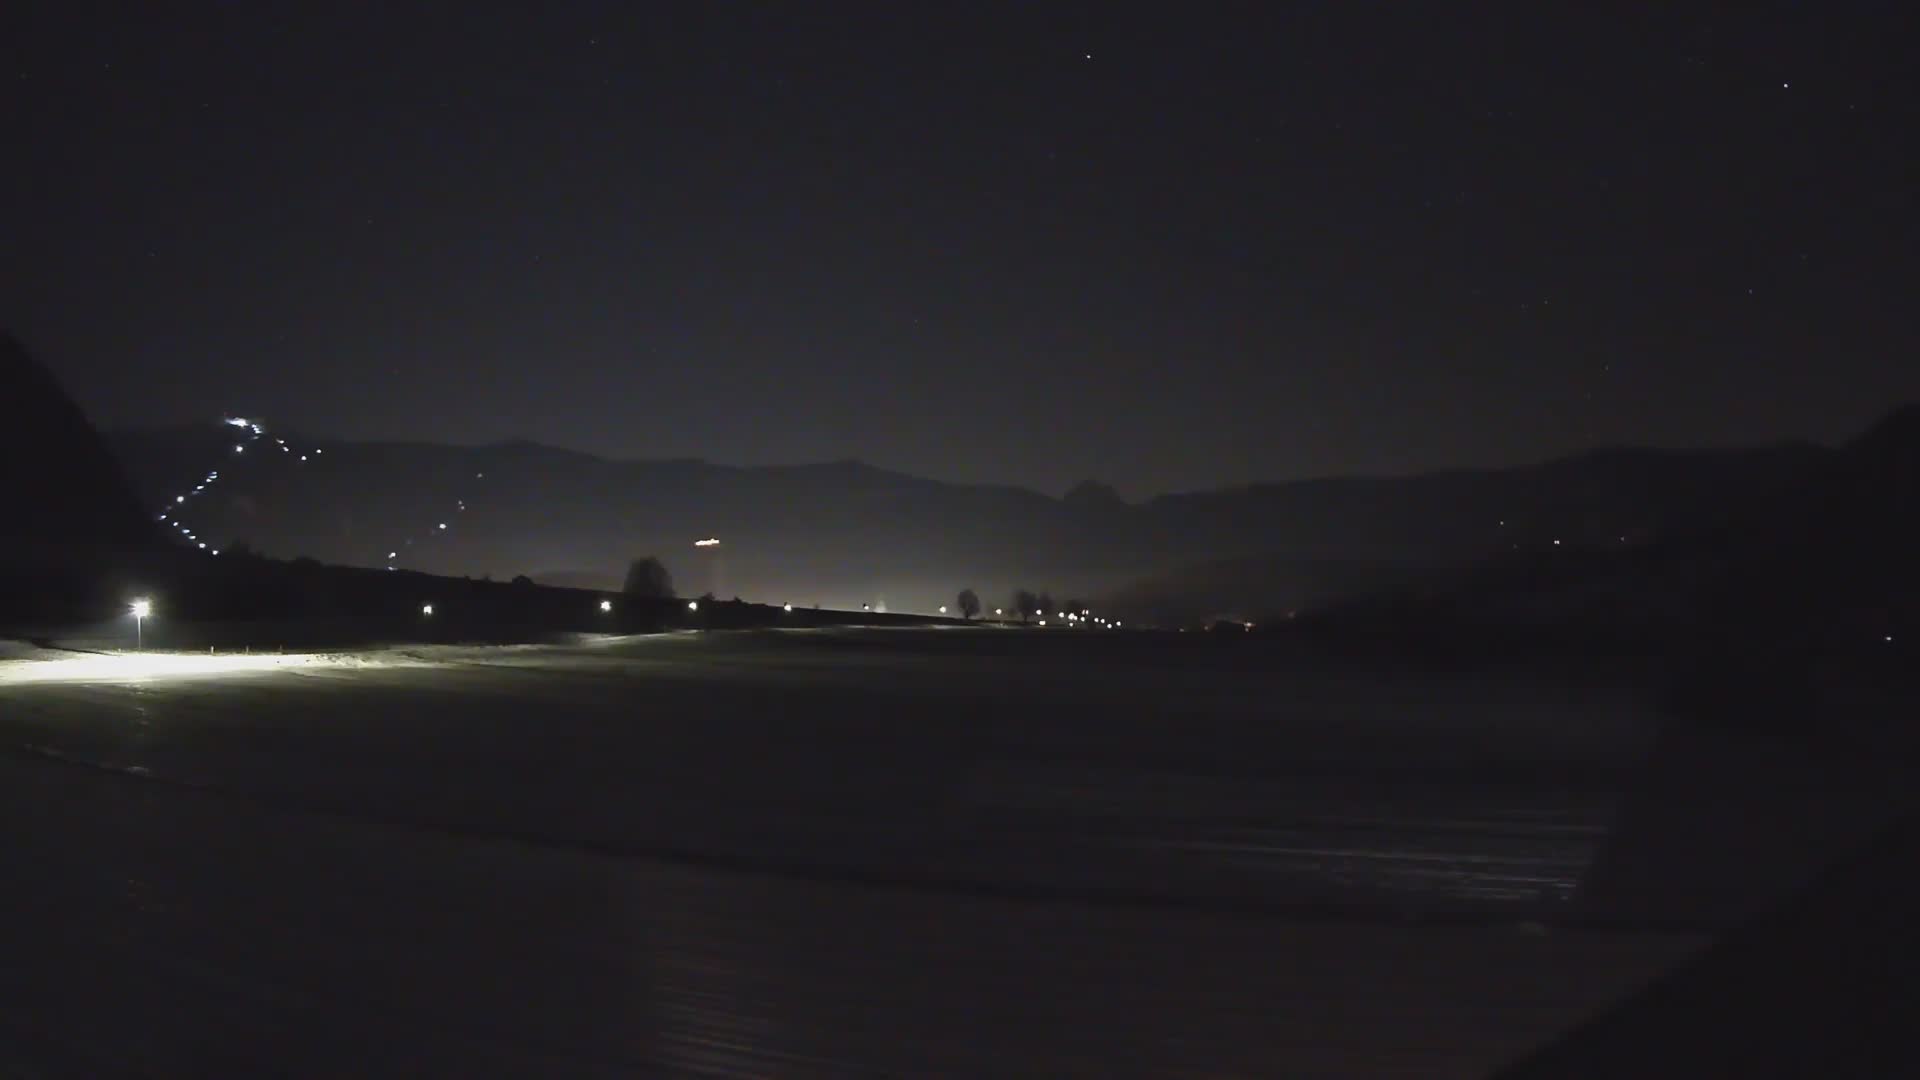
pixel 1170 247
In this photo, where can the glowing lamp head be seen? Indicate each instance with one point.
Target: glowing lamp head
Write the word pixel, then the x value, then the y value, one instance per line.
pixel 693 605
pixel 786 607
pixel 141 608
pixel 606 605
pixel 426 609
pixel 943 609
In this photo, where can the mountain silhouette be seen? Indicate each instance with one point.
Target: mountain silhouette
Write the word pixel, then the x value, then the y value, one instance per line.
pixel 1818 564
pixel 846 532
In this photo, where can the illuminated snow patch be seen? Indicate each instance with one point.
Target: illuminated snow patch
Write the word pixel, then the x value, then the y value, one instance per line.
pixel 126 667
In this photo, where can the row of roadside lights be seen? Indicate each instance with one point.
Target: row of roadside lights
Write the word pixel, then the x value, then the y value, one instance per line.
pixel 606 607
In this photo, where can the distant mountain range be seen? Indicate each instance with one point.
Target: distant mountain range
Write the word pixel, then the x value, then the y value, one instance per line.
pixel 1822 565
pixel 846 533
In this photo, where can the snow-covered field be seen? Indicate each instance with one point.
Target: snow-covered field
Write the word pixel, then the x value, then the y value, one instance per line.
pixel 833 854
pixel 992 761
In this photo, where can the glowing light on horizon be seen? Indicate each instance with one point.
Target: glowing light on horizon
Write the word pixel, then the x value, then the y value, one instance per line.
pixel 708 542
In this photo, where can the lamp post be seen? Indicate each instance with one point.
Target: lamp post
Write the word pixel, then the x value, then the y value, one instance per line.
pixel 140 609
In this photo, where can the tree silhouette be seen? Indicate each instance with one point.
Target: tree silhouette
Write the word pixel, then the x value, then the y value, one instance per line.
pixel 1046 604
pixel 1025 603
pixel 969 603
pixel 647 578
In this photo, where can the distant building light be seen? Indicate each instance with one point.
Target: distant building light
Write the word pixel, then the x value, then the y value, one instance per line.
pixel 238 449
pixel 1556 543
pixel 708 542
pixel 426 609
pixel 606 605
pixel 1043 622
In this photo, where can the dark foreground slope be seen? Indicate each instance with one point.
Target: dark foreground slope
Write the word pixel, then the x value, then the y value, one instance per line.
pixel 1822 987
pixel 71 521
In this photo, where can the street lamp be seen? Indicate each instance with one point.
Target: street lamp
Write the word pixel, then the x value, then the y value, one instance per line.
pixel 140 609
pixel 693 605
pixel 426 609
pixel 606 605
pixel 943 609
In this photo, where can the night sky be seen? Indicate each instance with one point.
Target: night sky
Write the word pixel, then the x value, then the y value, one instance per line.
pixel 1169 247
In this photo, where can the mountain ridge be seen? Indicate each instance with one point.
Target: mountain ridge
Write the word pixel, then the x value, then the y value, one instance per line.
pixel 847 532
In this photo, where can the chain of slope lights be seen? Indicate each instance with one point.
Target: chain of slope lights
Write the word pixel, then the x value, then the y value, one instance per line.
pixel 251 433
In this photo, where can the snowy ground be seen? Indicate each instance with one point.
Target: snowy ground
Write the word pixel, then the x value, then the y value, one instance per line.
pixel 905 853
pixel 994 761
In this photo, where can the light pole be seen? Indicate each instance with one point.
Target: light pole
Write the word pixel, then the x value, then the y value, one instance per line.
pixel 140 609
